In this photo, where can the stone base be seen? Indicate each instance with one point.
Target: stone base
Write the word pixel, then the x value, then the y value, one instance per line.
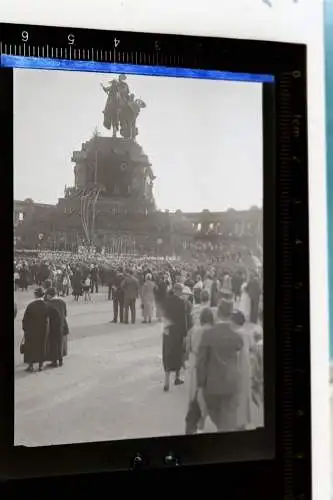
pixel 118 165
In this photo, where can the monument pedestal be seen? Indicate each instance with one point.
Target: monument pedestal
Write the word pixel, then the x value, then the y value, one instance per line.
pixel 117 165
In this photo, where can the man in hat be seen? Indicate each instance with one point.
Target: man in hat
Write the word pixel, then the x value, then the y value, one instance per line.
pixel 34 325
pixel 118 296
pixel 218 369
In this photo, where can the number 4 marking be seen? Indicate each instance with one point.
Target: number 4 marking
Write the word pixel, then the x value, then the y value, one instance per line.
pixel 116 42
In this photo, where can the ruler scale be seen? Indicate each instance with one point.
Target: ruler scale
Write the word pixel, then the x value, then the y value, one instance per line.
pixel 105 46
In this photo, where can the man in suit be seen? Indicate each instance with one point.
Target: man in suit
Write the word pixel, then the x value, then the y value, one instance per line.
pixel 108 279
pixel 118 296
pixel 218 369
pixel 130 287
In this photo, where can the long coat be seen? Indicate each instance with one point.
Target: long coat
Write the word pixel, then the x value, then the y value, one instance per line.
pixel 130 286
pixel 174 333
pixel 77 283
pixel 148 297
pixel 34 325
pixel 218 374
pixel 57 328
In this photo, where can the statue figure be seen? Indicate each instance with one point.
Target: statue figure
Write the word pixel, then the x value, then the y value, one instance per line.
pixel 128 116
pixel 121 109
pixel 111 110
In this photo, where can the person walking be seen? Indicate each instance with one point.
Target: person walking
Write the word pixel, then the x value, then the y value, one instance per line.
pixel 130 287
pixel 218 375
pixel 174 334
pixel 148 298
pixel 34 324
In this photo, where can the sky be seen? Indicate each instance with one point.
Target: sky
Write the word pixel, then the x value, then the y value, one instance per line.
pixel 203 137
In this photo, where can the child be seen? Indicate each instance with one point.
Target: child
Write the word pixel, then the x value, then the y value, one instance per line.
pixel 86 288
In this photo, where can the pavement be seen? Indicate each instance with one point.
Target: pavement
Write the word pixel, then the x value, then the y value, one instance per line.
pixel 110 386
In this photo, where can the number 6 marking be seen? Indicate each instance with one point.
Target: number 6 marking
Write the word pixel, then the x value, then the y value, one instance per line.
pixel 25 36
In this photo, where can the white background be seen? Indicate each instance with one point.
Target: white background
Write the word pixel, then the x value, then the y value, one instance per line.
pixel 286 20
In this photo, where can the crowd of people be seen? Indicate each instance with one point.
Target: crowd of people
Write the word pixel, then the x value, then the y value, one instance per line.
pixel 210 316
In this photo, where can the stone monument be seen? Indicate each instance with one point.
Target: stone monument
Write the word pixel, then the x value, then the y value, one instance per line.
pixel 113 175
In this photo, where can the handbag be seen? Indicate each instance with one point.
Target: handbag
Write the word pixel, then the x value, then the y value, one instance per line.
pixel 22 346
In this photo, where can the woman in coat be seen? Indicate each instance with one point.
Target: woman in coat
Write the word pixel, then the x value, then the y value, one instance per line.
pixel 174 334
pixel 35 324
pixel 148 298
pixel 58 327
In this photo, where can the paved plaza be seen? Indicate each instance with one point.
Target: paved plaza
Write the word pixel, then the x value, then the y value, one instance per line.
pixel 110 387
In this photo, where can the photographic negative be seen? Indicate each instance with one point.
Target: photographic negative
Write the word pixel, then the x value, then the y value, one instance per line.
pixel 138 256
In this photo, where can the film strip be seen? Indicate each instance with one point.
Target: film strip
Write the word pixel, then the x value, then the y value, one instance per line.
pixel 288 63
pixel 294 281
